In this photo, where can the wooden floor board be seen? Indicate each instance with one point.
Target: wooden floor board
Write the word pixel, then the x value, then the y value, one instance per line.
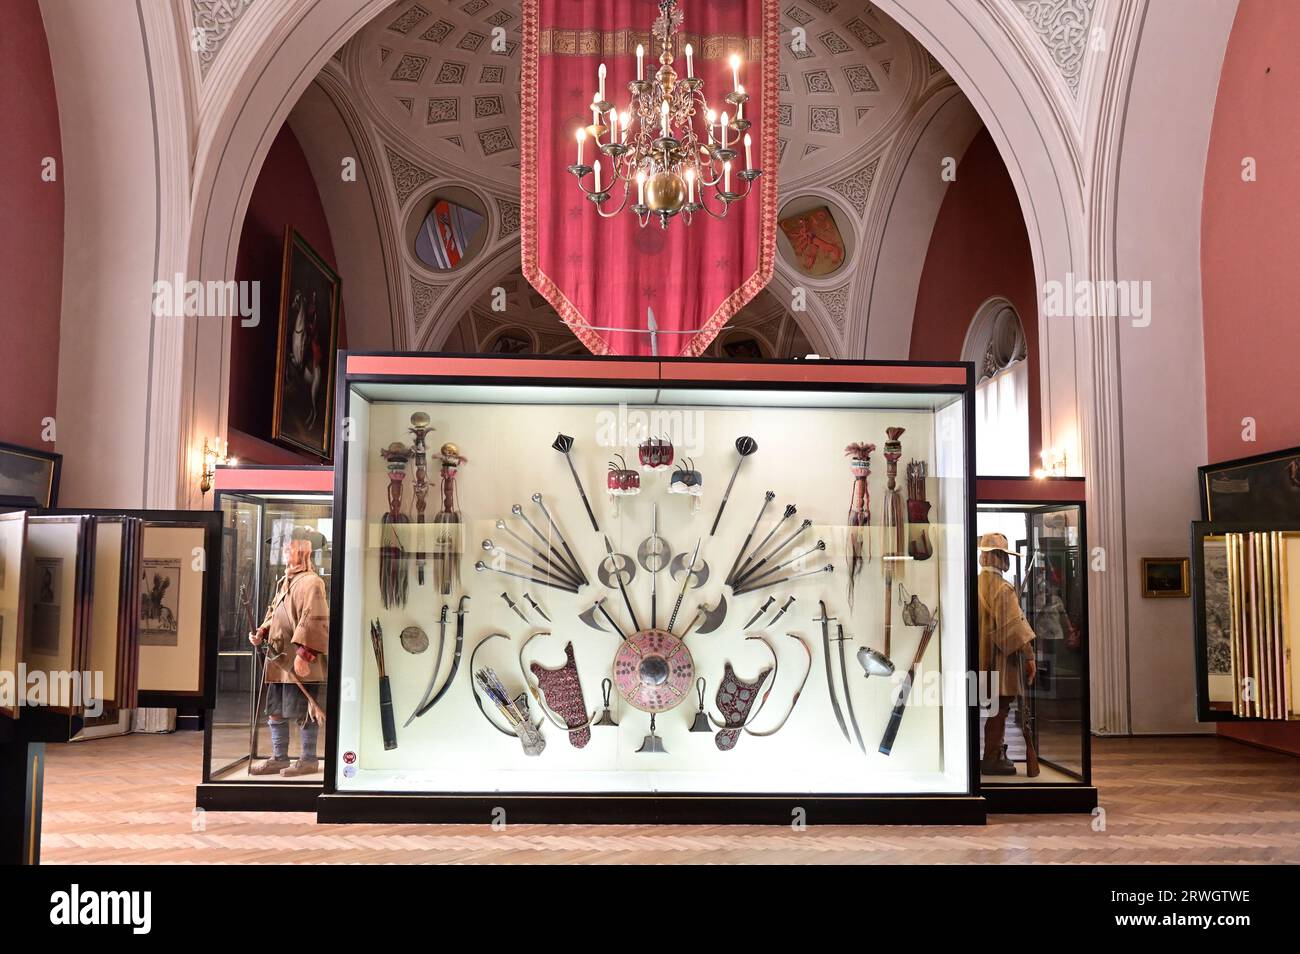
pixel 1198 800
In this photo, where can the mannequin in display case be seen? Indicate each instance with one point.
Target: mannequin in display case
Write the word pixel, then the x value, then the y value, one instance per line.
pixel 296 631
pixel 1006 653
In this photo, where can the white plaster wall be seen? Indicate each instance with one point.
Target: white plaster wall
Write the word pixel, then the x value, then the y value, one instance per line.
pixel 109 178
pixel 1158 224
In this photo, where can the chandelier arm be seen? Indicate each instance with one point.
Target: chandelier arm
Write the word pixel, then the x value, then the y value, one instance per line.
pixel 621 206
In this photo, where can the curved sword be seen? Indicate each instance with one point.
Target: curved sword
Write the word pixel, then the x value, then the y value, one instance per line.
pixel 848 693
pixel 830 677
pixel 437 666
pixel 455 659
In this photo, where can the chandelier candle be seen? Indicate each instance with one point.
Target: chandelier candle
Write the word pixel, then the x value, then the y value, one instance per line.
pixel 654 143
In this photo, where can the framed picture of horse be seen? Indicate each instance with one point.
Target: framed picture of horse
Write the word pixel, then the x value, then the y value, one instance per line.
pixel 307 340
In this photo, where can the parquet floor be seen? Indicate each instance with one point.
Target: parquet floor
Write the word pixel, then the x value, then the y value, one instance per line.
pixel 1189 800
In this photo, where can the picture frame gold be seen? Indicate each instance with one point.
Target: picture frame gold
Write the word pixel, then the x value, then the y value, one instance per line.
pixel 1166 578
pixel 303 406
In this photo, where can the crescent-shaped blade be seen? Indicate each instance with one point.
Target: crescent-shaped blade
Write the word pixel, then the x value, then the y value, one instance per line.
pixel 713 617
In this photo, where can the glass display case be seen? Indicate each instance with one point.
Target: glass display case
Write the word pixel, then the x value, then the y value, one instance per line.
pixel 261 508
pixel 1034 726
pixel 638 590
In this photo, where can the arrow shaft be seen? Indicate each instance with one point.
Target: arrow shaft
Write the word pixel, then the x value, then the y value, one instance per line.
pixel 759 549
pixel 750 536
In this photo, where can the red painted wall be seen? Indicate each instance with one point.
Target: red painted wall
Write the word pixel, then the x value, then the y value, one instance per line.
pixel 1250 235
pixel 31 229
pixel 979 249
pixel 285 194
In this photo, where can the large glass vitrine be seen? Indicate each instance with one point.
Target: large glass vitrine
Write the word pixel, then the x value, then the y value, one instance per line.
pixel 1036 756
pixel 260 509
pixel 560 583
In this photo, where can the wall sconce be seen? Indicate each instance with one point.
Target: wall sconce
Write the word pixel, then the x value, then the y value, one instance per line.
pixel 213 455
pixel 1055 464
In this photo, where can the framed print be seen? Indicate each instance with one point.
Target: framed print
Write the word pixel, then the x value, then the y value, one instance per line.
pixel 1260 489
pixel 160 595
pixel 29 476
pixel 56 644
pixel 1166 577
pixel 305 346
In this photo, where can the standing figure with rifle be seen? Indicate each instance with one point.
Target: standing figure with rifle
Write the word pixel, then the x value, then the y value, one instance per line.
pixel 296 634
pixel 1006 653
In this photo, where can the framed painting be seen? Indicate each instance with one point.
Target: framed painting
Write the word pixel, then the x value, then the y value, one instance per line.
pixel 1165 577
pixel 305 346
pixel 29 475
pixel 1260 489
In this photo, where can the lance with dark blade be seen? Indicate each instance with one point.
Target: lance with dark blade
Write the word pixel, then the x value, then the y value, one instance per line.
pixel 830 676
pixel 752 573
pixel 767 499
pixel 555 529
pixel 558 570
pixel 828 568
pixel 848 693
pixel 790 511
pixel 687 576
pixel 480 566
pixel 618 578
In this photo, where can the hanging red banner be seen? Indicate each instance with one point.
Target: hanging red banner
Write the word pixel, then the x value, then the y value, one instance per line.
pixel 605 275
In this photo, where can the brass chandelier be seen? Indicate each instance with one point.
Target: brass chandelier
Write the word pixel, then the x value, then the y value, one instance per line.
pixel 652 148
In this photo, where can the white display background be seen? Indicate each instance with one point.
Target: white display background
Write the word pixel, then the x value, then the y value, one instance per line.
pixel 800 457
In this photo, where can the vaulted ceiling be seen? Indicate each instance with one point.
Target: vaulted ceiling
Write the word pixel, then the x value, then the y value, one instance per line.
pixel 438 102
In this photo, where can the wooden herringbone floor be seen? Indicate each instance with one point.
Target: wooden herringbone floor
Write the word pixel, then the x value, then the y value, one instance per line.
pixel 1193 800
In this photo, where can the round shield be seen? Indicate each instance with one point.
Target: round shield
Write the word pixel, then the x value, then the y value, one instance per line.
pixel 653 670
pixel 414 640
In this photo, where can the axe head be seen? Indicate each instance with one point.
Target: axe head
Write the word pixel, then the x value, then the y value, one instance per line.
pixel 712 617
pixel 588 616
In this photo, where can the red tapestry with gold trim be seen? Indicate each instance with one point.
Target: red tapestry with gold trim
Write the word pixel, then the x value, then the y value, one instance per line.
pixel 603 275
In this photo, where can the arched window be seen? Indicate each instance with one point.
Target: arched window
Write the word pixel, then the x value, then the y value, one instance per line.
pixel 996 344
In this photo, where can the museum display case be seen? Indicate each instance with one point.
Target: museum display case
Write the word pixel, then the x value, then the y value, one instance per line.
pixel 620 590
pixel 1245 582
pixel 1035 734
pixel 260 507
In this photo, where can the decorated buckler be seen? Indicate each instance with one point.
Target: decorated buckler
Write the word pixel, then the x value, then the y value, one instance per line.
pixel 655 453
pixel 621 481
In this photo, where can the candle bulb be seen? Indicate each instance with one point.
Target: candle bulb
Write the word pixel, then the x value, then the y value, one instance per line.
pixel 735 72
pixel 595 110
pixel 748 143
pixel 627 119
pixel 597 170
pixel 690 61
pixel 740 106
pixel 640 187
pixel 601 74
pixel 663 112
pixel 640 62
pixel 726 175
pixel 613 122
pixel 690 185
pixel 711 118
pixel 582 138
pixel 724 130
